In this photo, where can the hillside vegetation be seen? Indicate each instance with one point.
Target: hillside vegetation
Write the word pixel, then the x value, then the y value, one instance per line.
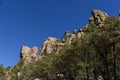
pixel 95 56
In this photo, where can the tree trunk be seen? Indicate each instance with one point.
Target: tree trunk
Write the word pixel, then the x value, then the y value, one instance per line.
pixel 107 67
pixel 114 67
pixel 114 62
pixel 87 73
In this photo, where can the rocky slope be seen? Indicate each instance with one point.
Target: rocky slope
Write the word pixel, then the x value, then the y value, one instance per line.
pixel 52 44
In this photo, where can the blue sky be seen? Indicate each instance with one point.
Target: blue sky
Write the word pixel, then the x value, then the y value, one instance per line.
pixel 30 22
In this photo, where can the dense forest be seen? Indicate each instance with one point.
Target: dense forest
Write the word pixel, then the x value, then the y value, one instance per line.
pixel 95 56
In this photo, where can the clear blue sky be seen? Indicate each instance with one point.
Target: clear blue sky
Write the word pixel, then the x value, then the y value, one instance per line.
pixel 30 22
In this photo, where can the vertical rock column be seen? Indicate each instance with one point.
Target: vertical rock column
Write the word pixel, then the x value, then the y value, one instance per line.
pixel 29 55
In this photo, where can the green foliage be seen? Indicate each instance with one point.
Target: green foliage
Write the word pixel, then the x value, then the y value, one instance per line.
pixel 94 55
pixel 43 67
pixel 2 70
pixel 74 32
pixel 111 20
pixel 18 66
pixel 90 28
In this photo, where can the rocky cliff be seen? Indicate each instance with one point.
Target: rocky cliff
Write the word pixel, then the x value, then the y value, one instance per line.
pixel 29 54
pixel 98 17
pixel 52 44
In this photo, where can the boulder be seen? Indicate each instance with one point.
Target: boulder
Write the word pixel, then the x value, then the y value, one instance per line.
pixel 29 55
pixel 51 44
pixel 25 50
pixel 98 17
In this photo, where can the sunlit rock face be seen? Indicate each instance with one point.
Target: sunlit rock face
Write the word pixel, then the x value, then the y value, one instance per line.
pixel 29 55
pixel 51 44
pixel 98 17
pixel 54 45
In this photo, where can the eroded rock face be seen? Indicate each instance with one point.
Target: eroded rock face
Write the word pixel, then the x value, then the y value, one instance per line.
pixel 24 50
pixel 98 17
pixel 80 34
pixel 51 44
pixel 29 54
pixel 54 45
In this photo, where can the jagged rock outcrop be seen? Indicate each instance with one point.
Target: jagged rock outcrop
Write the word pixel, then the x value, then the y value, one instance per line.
pixel 29 54
pixel 51 44
pixel 54 45
pixel 98 17
pixel 80 33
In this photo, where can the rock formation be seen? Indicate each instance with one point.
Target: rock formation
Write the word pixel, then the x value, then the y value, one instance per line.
pixel 52 44
pixel 80 33
pixel 29 54
pixel 98 17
